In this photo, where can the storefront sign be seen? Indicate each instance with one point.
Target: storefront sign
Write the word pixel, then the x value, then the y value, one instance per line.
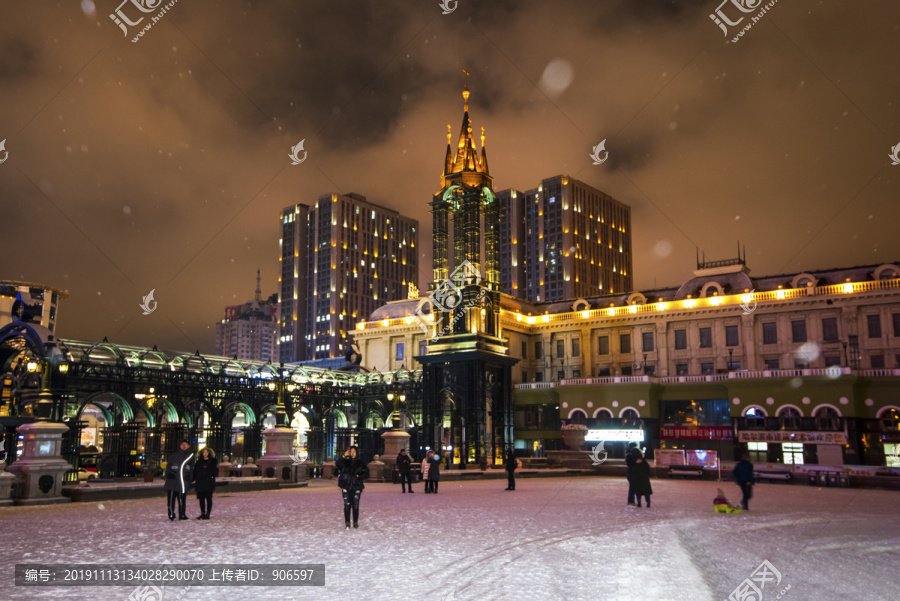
pixel 669 456
pixel 704 458
pixel 693 432
pixel 614 435
pixel 801 437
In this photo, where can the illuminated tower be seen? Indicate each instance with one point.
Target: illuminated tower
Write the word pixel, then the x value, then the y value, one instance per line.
pixel 467 394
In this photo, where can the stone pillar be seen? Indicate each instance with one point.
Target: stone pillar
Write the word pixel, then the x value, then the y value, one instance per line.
pixel 278 455
pixel 41 466
pixel 328 469
pixel 584 341
pixel 225 469
pixel 394 440
pixel 6 481
pixel 301 471
pixel 376 470
pixel 662 349
pixel 748 343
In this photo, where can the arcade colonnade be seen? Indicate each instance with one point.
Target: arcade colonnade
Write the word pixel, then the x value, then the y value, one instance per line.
pixel 136 403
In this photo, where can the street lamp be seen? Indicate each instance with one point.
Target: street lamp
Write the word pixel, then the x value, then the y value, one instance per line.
pixel 46 410
pixel 280 412
pixel 730 358
pixel 397 399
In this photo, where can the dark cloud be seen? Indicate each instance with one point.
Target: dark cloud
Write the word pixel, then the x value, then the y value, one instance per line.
pixel 18 59
pixel 163 164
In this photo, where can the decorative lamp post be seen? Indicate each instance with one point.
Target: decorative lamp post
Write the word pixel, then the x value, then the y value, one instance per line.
pixel 46 408
pixel 396 438
pixel 41 466
pixel 278 460
pixel 280 411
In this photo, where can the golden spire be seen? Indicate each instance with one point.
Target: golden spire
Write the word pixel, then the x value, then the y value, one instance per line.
pixel 466 91
pixel 482 136
pixel 449 133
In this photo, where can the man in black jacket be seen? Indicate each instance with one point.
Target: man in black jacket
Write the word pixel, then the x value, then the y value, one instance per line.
pixel 511 464
pixel 178 478
pixel 403 463
pixel 743 473
pixel 631 457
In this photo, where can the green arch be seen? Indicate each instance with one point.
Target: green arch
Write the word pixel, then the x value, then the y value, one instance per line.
pixel 122 404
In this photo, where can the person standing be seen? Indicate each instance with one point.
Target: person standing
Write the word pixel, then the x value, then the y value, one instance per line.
pixel 403 467
pixel 511 464
pixel 631 457
pixel 352 473
pixel 424 471
pixel 641 479
pixel 178 478
pixel 434 471
pixel 205 470
pixel 743 473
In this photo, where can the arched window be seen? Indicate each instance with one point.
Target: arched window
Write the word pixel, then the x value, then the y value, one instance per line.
pixel 603 415
pixel 578 417
pixel 890 419
pixel 755 418
pixel 790 418
pixel 827 418
pixel 630 419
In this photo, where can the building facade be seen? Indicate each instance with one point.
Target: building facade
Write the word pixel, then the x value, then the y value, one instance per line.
pixel 35 303
pixel 249 331
pixel 797 368
pixel 340 260
pixel 564 239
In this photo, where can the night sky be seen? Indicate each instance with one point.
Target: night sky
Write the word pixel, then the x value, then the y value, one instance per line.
pixel 163 164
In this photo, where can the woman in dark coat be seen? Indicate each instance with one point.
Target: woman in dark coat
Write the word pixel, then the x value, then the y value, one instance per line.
pixel 631 456
pixel 178 478
pixel 205 470
pixel 434 470
pixel 641 479
pixel 352 472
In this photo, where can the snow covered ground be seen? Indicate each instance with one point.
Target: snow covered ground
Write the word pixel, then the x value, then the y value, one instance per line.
pixel 553 538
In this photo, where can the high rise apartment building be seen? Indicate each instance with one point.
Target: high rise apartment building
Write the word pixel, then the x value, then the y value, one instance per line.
pixel 340 260
pixel 249 331
pixel 564 240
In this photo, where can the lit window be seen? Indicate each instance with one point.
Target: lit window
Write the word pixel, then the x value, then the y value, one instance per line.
pixel 793 453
